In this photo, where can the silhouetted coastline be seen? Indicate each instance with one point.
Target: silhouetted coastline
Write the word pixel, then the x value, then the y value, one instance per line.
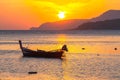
pixel 72 24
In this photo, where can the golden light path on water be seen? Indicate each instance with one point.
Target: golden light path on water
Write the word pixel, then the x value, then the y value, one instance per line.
pixel 75 44
pixel 87 47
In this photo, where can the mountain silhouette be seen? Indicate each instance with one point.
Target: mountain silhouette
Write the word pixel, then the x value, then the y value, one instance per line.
pixel 108 15
pixel 61 25
pixel 101 25
pixel 75 23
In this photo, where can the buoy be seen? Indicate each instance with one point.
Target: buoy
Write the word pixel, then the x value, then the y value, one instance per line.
pixel 115 48
pixel 98 54
pixel 83 48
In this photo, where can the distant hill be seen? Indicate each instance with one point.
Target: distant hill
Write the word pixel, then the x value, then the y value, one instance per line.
pixel 108 15
pixel 61 25
pixel 74 23
pixel 101 25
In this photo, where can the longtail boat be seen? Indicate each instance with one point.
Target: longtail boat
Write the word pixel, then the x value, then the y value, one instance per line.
pixel 42 53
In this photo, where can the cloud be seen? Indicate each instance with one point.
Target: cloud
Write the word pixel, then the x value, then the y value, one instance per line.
pixel 64 2
pixel 46 5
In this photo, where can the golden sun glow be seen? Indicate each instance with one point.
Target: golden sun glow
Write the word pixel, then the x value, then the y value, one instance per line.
pixel 61 15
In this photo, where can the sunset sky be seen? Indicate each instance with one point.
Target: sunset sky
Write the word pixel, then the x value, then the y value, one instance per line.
pixel 23 14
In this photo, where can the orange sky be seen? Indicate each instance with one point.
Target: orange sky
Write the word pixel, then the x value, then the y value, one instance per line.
pixel 23 14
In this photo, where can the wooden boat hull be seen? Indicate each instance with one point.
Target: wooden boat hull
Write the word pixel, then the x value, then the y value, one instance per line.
pixel 29 53
pixel 40 53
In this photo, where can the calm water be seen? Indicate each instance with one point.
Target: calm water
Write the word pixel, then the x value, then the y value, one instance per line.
pixel 98 61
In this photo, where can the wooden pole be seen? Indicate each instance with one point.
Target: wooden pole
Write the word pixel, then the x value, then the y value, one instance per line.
pixel 20 43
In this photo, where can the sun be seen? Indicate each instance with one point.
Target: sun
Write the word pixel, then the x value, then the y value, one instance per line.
pixel 61 15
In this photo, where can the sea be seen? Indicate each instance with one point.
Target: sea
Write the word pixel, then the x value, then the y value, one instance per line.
pixel 92 55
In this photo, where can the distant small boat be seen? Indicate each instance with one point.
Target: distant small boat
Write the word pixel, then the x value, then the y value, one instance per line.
pixel 42 53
